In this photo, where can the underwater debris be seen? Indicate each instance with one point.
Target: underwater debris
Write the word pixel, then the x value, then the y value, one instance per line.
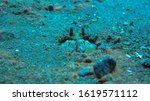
pixel 79 42
pixel 104 66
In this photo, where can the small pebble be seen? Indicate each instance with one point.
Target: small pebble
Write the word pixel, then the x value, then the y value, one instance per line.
pixel 146 63
pixel 85 72
pixel 125 23
pixel 126 43
pixel 88 60
pixel 129 56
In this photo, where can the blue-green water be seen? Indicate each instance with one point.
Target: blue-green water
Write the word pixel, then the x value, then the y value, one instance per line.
pixel 54 41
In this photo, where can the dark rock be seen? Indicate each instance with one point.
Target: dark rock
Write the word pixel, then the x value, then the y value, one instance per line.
pixel 104 66
pixel 88 60
pixel 50 8
pixel 85 72
pixel 117 40
pixel 146 63
pixel 109 38
pixel 132 24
